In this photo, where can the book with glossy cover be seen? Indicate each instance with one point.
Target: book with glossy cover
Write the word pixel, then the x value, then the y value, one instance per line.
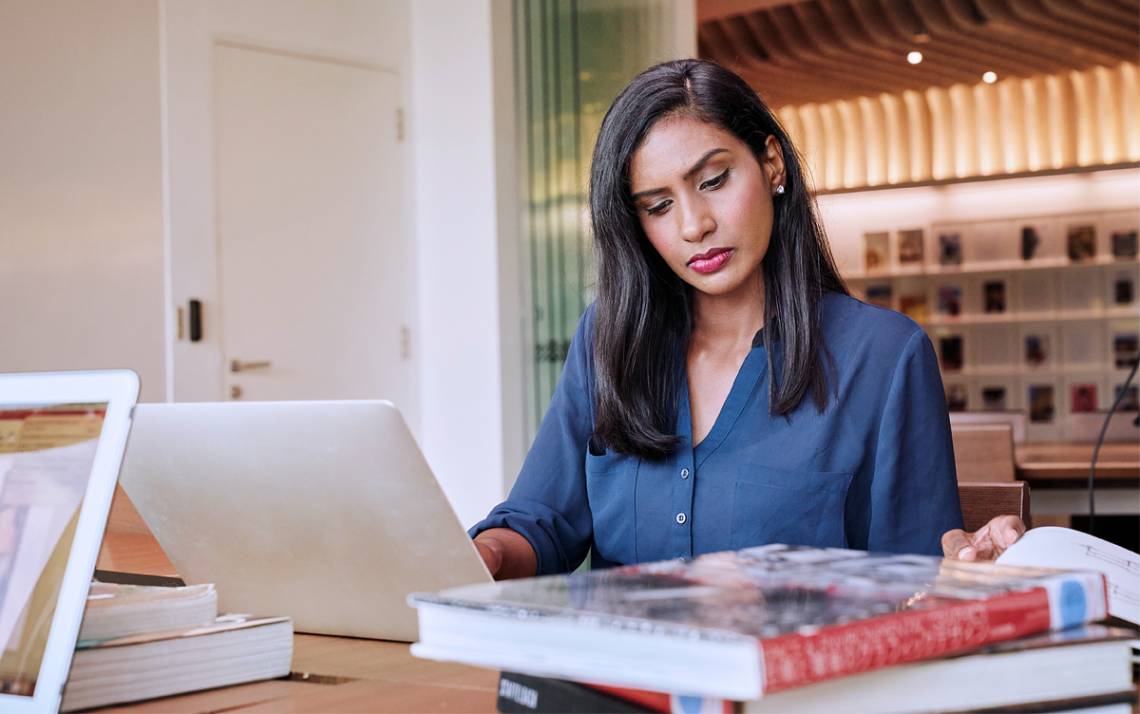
pixel 118 610
pixel 743 623
pixel 1082 666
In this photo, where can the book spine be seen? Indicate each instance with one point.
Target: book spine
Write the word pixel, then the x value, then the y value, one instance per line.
pixel 929 630
pixel 521 693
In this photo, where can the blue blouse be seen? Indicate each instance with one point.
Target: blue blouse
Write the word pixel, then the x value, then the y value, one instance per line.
pixel 874 470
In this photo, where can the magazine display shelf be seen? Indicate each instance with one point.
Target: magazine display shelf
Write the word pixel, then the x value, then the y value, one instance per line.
pixel 1036 314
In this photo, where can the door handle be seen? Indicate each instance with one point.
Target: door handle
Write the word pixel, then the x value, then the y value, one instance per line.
pixel 236 365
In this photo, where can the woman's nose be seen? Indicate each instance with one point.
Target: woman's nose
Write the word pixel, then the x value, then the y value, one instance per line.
pixel 696 221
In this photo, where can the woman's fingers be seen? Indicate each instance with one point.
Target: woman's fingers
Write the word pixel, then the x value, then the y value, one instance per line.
pixel 957 544
pixel 986 543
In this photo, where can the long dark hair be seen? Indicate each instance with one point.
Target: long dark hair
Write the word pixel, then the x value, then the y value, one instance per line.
pixel 643 315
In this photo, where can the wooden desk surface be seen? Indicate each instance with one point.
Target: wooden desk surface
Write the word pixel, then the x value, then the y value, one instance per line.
pixel 1050 463
pixel 340 674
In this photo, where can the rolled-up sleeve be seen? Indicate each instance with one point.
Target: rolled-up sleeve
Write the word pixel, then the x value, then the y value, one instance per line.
pixel 548 504
pixel 914 488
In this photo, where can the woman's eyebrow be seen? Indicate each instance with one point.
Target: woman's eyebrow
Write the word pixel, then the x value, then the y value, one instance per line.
pixel 688 174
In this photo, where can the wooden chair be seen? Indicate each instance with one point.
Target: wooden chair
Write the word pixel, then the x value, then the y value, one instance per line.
pixel 983 501
pixel 983 452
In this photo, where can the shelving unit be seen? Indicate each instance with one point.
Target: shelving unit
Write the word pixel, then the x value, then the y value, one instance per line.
pixel 1051 335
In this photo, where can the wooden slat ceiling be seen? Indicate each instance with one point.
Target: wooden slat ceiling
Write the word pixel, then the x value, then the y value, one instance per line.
pixel 794 52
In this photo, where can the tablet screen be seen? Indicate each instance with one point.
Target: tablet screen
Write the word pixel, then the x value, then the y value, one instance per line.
pixel 46 456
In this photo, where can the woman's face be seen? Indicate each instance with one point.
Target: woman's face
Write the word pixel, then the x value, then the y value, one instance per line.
pixel 705 202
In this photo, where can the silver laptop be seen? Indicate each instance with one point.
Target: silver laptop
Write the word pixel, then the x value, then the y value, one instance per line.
pixel 323 511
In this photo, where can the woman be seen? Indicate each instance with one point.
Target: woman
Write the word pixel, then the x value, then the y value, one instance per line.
pixel 724 390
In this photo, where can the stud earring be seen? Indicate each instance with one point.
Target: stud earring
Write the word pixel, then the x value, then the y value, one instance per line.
pixel 780 190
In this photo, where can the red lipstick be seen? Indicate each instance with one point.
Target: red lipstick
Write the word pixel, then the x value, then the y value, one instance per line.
pixel 711 260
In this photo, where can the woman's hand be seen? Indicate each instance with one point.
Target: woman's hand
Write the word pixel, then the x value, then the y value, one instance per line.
pixel 491 553
pixel 506 554
pixel 986 543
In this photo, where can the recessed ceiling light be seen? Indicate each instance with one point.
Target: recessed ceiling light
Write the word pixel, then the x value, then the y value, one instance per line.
pixel 989 77
pixel 914 57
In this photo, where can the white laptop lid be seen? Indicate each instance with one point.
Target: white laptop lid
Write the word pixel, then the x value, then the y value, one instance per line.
pixel 323 511
pixel 62 438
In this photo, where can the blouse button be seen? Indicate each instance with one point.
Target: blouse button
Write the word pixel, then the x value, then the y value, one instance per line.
pixel 684 473
pixel 681 518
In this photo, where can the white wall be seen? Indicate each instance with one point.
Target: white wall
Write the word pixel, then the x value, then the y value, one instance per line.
pixel 80 188
pixel 368 31
pixel 468 216
pixel 467 240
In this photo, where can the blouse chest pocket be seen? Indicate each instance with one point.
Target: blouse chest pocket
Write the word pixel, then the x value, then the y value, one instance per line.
pixel 794 507
pixel 610 487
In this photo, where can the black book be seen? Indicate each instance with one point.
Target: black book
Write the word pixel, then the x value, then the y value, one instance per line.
pixel 524 693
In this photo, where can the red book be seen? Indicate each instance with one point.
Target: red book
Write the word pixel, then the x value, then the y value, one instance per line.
pixel 738 625
pixel 1072 669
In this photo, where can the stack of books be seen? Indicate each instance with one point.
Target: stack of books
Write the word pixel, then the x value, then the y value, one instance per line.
pixel 783 628
pixel 142 641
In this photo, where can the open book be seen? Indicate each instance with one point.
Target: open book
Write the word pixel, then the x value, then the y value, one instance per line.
pixel 1053 547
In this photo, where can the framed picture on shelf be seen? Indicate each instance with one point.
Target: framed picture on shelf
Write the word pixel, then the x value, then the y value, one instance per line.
pixel 994 396
pixel 1082 397
pixel 951 353
pixel 957 396
pixel 1038 346
pixel 911 243
pixel 876 252
pixel 1125 349
pixel 1122 229
pixel 950 248
pixel 880 294
pixel 948 299
pixel 1030 242
pixel 1041 403
pixel 1131 401
pixel 1039 240
pixel 1043 406
pixel 913 306
pixel 1081 241
pixel 1121 288
pixel 1124 244
pixel 994 296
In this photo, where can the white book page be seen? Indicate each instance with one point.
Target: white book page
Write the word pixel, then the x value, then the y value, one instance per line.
pixel 1053 547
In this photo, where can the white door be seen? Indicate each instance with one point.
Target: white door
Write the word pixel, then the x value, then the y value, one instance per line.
pixel 315 268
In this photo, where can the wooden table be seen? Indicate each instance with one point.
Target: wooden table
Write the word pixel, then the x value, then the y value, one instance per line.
pixel 1050 464
pixel 1058 476
pixel 341 674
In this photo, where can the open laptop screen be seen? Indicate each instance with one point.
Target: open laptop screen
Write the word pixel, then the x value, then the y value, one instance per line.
pixel 46 457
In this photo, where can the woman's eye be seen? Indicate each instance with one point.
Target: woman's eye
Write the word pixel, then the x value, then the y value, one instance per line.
pixel 658 208
pixel 715 182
